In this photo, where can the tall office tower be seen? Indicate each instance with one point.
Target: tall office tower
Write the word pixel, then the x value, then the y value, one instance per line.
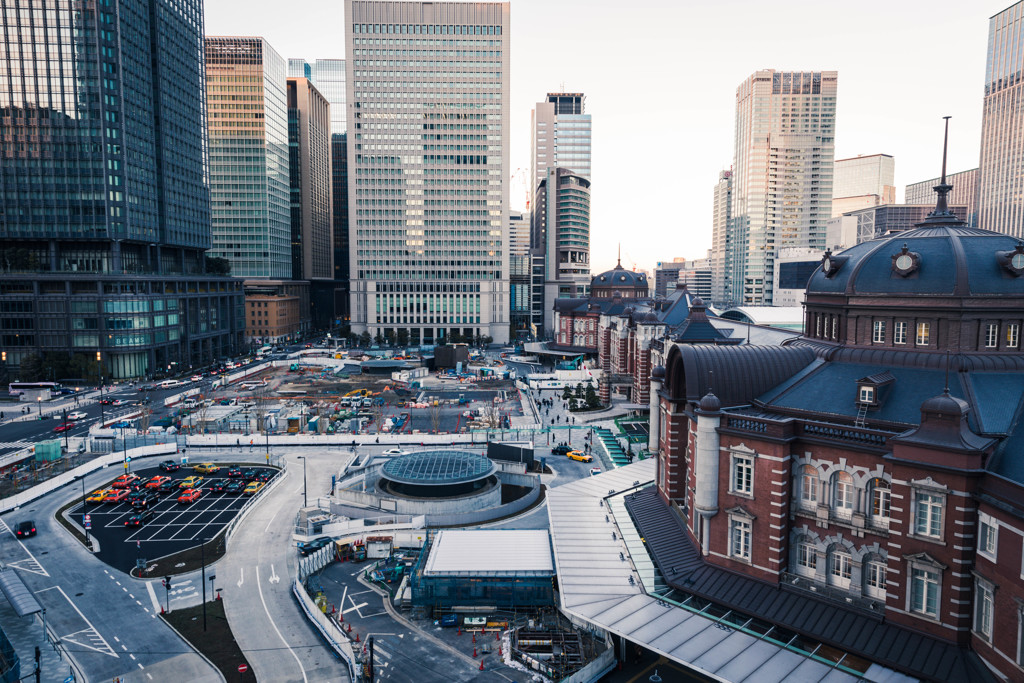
pixel 329 75
pixel 782 172
pixel 722 244
pixel 309 163
pixel 561 224
pixel 428 159
pixel 104 201
pixel 249 184
pixel 560 131
pixel 964 193
pixel 1001 182
pixel 862 182
pixel 666 276
pixel 519 274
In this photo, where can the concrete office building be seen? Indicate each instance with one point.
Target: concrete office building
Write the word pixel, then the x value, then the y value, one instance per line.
pixel 666 274
pixel 309 151
pixel 1001 183
pixel 249 184
pixel 104 201
pixel 428 159
pixel 855 227
pixel 519 274
pixel 561 133
pixel 561 231
pixel 722 243
pixel 964 193
pixel 793 268
pixel 863 182
pixel 695 276
pixel 782 173
pixel 329 77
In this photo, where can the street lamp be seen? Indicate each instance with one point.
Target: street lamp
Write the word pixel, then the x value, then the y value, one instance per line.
pixel 202 553
pixel 99 376
pixel 304 501
pixel 88 543
pixel 39 403
pixel 63 424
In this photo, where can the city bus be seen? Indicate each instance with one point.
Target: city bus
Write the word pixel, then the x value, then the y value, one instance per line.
pixel 19 388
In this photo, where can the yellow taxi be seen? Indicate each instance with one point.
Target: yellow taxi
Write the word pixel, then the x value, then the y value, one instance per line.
pixel 99 496
pixel 190 483
pixel 253 488
pixel 206 468
pixel 579 456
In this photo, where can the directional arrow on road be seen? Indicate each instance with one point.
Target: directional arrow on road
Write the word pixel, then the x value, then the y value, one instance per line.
pixel 241 577
pixel 274 578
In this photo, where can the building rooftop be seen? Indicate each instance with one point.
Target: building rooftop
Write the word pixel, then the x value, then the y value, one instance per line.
pixel 438 467
pixel 492 552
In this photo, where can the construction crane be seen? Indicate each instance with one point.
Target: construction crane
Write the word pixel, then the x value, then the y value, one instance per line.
pixel 522 175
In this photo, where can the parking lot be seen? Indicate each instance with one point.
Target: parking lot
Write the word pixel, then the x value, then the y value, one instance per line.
pixel 174 526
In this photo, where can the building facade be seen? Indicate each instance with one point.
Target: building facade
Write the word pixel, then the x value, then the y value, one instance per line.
pixel 520 269
pixel 862 475
pixel 248 141
pixel 782 173
pixel 1001 182
pixel 867 224
pixel 723 292
pixel 561 134
pixel 428 163
pixel 104 197
pixel 666 273
pixel 561 225
pixel 276 310
pixel 695 276
pixel 964 193
pixel 309 150
pixel 862 182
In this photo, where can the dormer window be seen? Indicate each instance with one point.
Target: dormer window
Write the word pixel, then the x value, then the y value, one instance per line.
pixel 905 262
pixel 1012 261
pixel 867 394
pixel 873 389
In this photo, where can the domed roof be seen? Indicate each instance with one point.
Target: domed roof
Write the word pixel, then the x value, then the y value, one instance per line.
pixel 710 403
pixel 438 467
pixel 619 277
pixel 944 404
pixel 936 257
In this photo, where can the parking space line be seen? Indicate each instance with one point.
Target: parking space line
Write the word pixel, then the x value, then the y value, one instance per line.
pixel 152 596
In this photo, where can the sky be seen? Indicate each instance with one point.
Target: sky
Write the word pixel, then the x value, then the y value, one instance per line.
pixel 660 78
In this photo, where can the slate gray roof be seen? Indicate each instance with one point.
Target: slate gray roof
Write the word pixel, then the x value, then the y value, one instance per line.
pixel 865 634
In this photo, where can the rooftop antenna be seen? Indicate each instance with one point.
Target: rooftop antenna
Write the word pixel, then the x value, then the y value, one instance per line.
pixel 943 188
pixel 619 265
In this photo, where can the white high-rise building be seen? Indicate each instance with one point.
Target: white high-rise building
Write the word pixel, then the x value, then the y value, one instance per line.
pixel 862 182
pixel 428 159
pixel 722 244
pixel 782 173
pixel 561 132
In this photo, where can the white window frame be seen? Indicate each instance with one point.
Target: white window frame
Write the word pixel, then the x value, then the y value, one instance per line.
pixel 840 568
pixel 741 478
pixel 741 534
pixel 924 334
pixel 844 504
pixel 806 558
pixel 875 577
pixel 1012 335
pixel 984 608
pixel 988 537
pixel 867 394
pixel 899 333
pixel 809 484
pixel 929 508
pixel 992 335
pixel 924 581
pixel 1020 634
pixel 883 496
pixel 878 332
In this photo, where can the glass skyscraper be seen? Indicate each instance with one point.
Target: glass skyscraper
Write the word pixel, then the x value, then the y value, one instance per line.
pixel 104 198
pixel 428 159
pixel 249 182
pixel 1001 180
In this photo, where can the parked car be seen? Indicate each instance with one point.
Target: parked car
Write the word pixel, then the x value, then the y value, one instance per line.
pixel 77 415
pixel 311 547
pixel 265 475
pixel 169 486
pixel 169 466
pixel 218 485
pixel 25 529
pixel 205 468
pixel 189 496
pixel 191 482
pixel 253 487
pixel 139 518
pixel 561 449
pixel 116 496
pixel 235 486
pixel 105 401
pixel 594 471
pixel 249 475
pixel 155 482
pixel 580 456
pixel 99 496
pixel 143 498
pixel 125 481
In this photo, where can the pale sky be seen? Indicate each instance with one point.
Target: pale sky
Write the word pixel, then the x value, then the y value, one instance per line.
pixel 660 78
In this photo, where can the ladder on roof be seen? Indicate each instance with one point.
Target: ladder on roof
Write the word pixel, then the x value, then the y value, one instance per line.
pixel 861 412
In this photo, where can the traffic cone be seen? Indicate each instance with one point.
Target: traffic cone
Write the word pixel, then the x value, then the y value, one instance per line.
pixel 499 650
pixel 459 632
pixel 496 636
pixel 474 637
pixel 357 637
pixel 481 665
pixel 474 652
pixel 350 628
pixel 341 616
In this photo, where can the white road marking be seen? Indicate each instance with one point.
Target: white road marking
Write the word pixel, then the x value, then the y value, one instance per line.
pixel 132 656
pixel 152 596
pixel 277 630
pixel 270 522
pixel 241 577
pixel 131 596
pixel 141 667
pixel 343 594
pixel 91 632
pixel 355 607
pixel 274 578
pixel 149 676
pixel 381 651
pixel 124 647
pixel 116 639
pixel 139 604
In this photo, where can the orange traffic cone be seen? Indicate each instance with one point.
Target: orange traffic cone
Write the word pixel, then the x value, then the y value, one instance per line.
pixel 350 628
pixel 474 637
pixel 459 632
pixel 497 636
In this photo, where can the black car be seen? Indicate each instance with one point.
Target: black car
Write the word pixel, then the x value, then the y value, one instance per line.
pixel 562 449
pixel 25 529
pixel 265 475
pixel 168 487
pixel 314 545
pixel 250 475
pixel 143 499
pixel 235 486
pixel 169 466
pixel 139 518
pixel 235 472
pixel 218 486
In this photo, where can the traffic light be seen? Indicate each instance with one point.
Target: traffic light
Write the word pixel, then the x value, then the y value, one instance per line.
pixel 167 582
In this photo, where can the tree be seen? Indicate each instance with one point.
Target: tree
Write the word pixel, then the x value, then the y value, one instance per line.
pixel 379 338
pixel 593 402
pixel 491 416
pixel 31 368
pixel 434 412
pixel 566 393
pixel 144 419
pixel 215 265
pixel 364 340
pixel 403 337
pixel 378 409
pixel 260 396
pixel 579 390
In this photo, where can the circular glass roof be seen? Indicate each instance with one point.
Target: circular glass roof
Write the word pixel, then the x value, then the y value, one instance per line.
pixel 438 467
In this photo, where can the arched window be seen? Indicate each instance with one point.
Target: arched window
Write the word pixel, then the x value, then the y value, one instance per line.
pixel 874 576
pixel 843 495
pixel 840 567
pixel 881 497
pixel 805 557
pixel 808 485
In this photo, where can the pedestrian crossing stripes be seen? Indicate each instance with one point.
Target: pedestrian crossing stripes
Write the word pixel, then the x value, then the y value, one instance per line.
pixel 14 444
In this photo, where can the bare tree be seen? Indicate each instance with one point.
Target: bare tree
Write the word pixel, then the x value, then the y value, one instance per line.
pixel 144 419
pixel 202 410
pixel 491 416
pixel 434 411
pixel 378 409
pixel 261 399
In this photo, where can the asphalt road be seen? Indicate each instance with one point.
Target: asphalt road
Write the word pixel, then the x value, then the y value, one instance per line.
pixel 174 526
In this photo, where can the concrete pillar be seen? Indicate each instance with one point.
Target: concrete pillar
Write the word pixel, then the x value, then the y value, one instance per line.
pixel 709 417
pixel 655 408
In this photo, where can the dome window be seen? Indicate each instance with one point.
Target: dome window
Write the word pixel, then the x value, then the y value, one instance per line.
pixel 830 265
pixel 905 262
pixel 1013 261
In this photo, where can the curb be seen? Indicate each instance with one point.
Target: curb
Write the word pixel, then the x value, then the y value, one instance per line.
pixel 187 643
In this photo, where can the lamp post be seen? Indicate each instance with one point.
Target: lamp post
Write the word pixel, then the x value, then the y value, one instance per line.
pixel 39 404
pixel 202 553
pixel 88 543
pixel 99 376
pixel 124 447
pixel 304 501
pixel 63 424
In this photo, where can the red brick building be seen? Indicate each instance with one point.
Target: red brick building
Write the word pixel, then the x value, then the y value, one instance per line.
pixel 860 487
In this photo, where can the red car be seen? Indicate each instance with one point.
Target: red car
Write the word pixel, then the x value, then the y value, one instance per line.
pixel 189 496
pixel 125 481
pixel 63 427
pixel 117 496
pixel 155 482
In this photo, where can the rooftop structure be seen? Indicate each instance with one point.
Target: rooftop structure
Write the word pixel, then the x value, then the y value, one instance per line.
pixel 493 552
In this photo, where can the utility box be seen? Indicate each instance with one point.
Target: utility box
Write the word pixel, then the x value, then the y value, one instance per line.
pixel 378 547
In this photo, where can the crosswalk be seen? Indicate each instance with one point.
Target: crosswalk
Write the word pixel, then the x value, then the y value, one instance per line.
pixel 14 444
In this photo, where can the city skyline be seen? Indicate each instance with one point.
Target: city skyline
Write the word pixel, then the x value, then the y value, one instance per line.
pixel 908 127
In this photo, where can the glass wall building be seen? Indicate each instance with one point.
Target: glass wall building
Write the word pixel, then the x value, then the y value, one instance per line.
pixel 862 182
pixel 722 245
pixel 561 218
pixel 249 181
pixel 964 193
pixel 428 160
pixel 1001 182
pixel 104 196
pixel 782 173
